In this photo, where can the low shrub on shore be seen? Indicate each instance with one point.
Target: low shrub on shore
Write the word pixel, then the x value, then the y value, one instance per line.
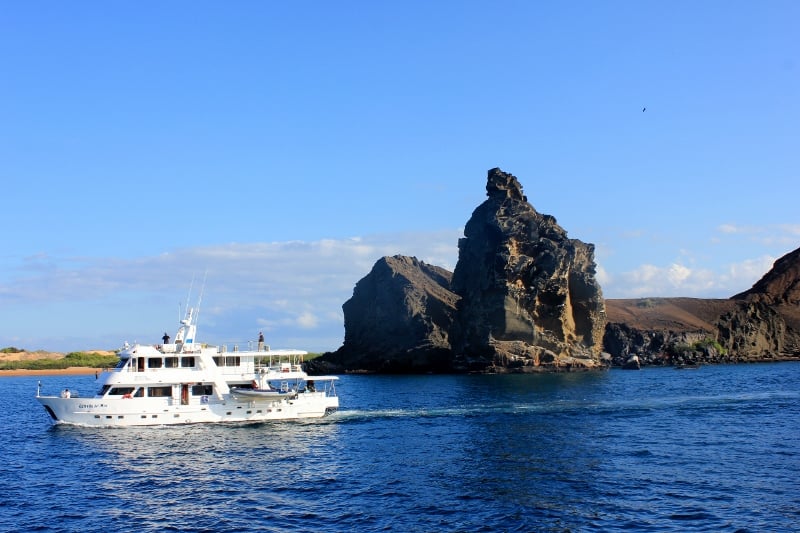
pixel 79 359
pixel 12 349
pixel 72 359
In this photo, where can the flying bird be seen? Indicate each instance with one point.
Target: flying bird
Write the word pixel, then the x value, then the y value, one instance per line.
pixel 644 109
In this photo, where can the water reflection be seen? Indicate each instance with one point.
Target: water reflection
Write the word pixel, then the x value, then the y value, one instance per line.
pixel 203 474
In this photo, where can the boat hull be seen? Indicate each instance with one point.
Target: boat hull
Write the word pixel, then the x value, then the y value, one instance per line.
pixel 102 412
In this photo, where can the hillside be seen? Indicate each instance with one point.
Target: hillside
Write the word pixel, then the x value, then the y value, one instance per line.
pixel 676 314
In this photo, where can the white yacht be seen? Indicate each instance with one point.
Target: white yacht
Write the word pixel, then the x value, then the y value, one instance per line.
pixel 187 382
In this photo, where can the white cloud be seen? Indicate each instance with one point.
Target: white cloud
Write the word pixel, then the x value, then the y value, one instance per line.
pixel 701 270
pixel 791 229
pixel 745 273
pixel 602 276
pixel 678 274
pixel 307 320
pixel 777 235
pixel 729 228
pixel 291 289
pixel 678 279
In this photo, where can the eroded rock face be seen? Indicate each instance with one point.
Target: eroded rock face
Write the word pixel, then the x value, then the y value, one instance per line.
pixel 752 330
pixel 528 293
pixel 398 320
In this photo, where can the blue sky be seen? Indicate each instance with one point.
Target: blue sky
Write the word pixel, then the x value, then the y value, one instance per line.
pixel 280 149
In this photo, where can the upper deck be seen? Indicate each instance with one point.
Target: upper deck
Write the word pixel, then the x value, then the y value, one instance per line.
pixel 229 361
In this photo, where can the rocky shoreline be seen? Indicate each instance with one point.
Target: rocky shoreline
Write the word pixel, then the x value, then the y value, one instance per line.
pixel 599 368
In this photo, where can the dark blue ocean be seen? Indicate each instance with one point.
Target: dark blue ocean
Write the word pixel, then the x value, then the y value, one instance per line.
pixel 713 449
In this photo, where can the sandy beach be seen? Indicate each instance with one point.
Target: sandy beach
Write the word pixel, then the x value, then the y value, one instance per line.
pixel 71 371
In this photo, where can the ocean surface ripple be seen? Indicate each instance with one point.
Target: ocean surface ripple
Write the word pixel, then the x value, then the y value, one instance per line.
pixel 713 449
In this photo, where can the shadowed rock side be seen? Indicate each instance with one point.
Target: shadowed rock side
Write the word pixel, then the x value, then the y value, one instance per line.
pixel 397 321
pixel 529 297
pixel 761 324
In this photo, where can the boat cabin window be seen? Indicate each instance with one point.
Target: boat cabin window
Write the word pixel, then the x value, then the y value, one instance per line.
pixel 121 363
pixel 139 393
pixel 187 362
pixel 155 362
pixel 233 360
pixel 104 390
pixel 158 392
pixel 170 362
pixel 202 390
pixel 121 391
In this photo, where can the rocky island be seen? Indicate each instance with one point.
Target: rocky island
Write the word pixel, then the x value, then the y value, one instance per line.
pixel 524 298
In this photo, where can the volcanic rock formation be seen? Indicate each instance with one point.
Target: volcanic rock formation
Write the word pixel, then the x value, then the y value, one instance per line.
pixel 529 296
pixel 523 298
pixel 398 320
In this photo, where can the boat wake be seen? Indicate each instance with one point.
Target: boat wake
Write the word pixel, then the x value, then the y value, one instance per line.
pixel 558 407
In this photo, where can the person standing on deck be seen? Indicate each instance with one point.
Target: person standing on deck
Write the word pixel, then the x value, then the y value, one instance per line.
pixel 260 341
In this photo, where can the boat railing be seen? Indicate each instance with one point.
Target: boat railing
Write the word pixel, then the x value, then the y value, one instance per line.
pixel 241 346
pixel 324 387
pixel 276 367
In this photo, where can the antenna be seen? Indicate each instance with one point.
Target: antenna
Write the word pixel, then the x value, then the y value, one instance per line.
pixel 189 295
pixel 200 299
